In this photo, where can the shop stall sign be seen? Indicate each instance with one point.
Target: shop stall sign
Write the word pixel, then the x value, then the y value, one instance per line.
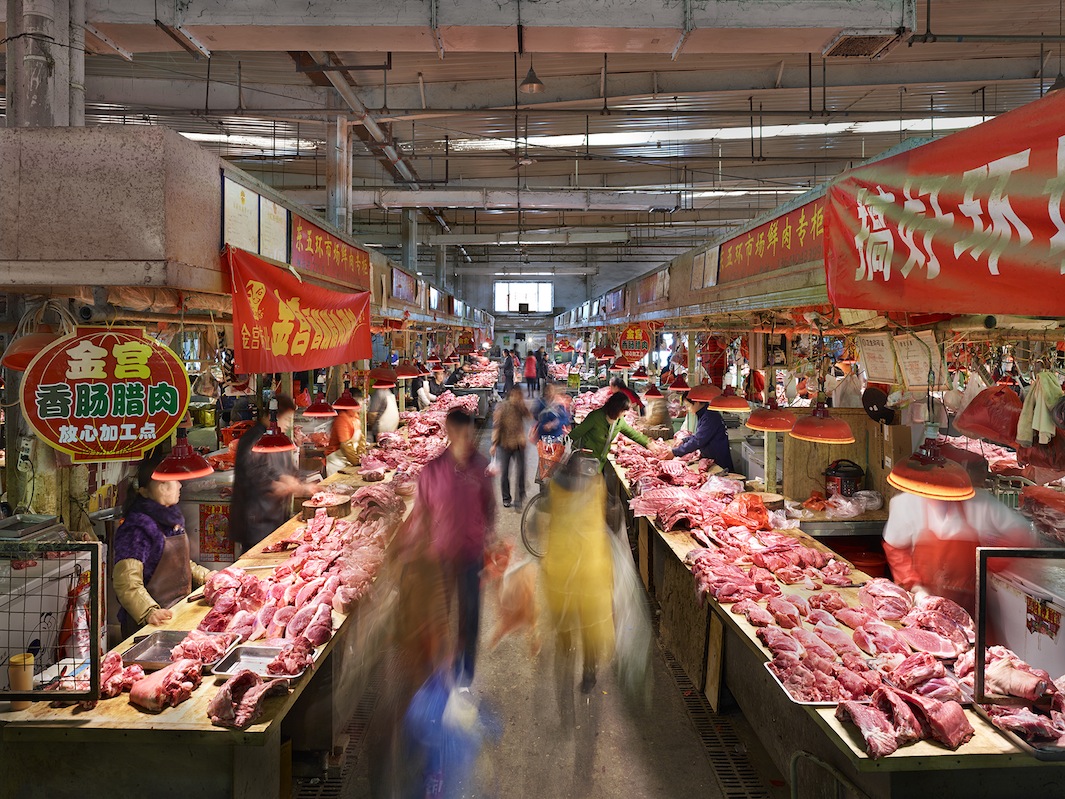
pixel 281 324
pixel 104 394
pixel 635 342
pixel 970 223
pixel 319 252
pixel 878 357
pixel 215 544
pixel 240 216
pixel 793 238
pixel 1041 618
pixel 915 354
pixel 466 343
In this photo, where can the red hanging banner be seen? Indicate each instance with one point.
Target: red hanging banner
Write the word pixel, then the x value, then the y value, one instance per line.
pixel 971 223
pixel 283 325
pixel 795 237
pixel 104 394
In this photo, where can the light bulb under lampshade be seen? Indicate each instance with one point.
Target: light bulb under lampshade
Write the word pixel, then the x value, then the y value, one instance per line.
pixel 183 462
pixel 532 84
pixel 407 371
pixel 22 350
pixel 346 402
pixel 928 474
pixel 273 440
pixel 383 377
pixel 771 420
pixel 728 401
pixel 822 428
pixel 704 392
pixel 680 386
pixel 320 408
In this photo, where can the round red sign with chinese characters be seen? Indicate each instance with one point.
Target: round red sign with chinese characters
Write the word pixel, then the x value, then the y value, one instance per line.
pixel 105 394
pixel 635 342
pixel 466 343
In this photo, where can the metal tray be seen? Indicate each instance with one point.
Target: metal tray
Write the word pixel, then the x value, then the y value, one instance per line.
pixel 254 658
pixel 152 652
pixel 22 524
pixel 798 702
pixel 1048 752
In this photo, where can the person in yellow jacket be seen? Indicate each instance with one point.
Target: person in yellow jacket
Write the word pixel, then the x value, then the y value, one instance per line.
pixel 578 573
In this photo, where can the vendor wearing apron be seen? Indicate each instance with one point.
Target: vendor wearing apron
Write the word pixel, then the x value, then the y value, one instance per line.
pixel 345 439
pixel 152 570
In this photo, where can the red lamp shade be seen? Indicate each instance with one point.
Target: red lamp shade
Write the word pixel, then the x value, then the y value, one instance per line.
pixel 728 401
pixel 821 428
pixel 640 373
pixel 319 409
pixel 433 361
pixel 21 351
pixel 346 402
pixel 604 352
pixel 771 420
pixel 704 392
pixel 622 364
pixel 383 377
pixel 423 370
pixel 407 371
pixel 679 385
pixel 273 440
pixel 928 474
pixel 652 393
pixel 183 462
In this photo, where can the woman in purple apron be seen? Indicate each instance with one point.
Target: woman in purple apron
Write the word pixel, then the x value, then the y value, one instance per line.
pixel 152 570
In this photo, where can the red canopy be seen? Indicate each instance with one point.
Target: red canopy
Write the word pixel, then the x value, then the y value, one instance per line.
pixel 970 223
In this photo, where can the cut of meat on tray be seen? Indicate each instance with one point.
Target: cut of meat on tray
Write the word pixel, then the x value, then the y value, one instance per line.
pixel 886 599
pixel 952 609
pixel 777 640
pixel 876 638
pixel 873 724
pixel 167 687
pixel 855 617
pixel 320 626
pixel 939 623
pixel 293 658
pixel 203 647
pixel 800 604
pixel 785 613
pixel 1029 725
pixel 837 639
pixel 239 702
pixel 828 600
pixel 907 726
pixel 917 669
pixel 818 616
pixel 942 689
pixel 1003 678
pixel 945 721
pixel 114 678
pixel 753 612
pixel 930 642
pixel 812 643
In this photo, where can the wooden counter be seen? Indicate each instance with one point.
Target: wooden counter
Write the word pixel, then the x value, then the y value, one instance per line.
pixel 718 648
pixel 178 752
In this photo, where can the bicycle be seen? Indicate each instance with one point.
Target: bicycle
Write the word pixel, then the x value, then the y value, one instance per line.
pixel 534 516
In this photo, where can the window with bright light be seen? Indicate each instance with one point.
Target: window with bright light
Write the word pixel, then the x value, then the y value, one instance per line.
pixel 510 296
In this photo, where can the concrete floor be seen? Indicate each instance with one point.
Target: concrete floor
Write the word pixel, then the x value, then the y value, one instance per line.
pixel 608 749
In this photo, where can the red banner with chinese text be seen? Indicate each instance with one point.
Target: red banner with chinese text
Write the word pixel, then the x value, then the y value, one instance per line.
pixel 971 223
pixel 283 325
pixel 796 237
pixel 320 252
pixel 104 394
pixel 635 342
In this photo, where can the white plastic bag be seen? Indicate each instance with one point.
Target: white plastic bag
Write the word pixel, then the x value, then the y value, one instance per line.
pixel 632 626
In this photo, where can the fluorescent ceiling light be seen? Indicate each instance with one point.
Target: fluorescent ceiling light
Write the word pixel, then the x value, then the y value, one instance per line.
pixel 669 137
pixel 267 143
pixel 719 193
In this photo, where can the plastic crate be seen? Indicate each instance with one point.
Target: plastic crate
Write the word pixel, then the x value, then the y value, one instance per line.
pixel 1007 489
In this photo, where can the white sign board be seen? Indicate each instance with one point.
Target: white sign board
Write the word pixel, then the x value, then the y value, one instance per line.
pixel 878 357
pixel 240 217
pixel 273 230
pixel 913 358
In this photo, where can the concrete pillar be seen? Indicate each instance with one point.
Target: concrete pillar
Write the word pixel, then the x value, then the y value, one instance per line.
pixel 409 234
pixel 76 102
pixel 45 61
pixel 440 270
pixel 338 173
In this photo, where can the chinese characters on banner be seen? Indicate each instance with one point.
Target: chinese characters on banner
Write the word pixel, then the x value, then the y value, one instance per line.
pixel 104 394
pixel 320 252
pixel 466 343
pixel 635 342
pixel 283 325
pixel 971 223
pixel 878 357
pixel 215 544
pixel 796 237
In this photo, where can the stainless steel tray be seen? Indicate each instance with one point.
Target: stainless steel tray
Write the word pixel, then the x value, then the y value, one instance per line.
pixel 800 702
pixel 22 524
pixel 254 658
pixel 152 652
pixel 1046 751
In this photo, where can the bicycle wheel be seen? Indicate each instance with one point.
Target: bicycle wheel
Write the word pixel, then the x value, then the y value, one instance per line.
pixel 533 522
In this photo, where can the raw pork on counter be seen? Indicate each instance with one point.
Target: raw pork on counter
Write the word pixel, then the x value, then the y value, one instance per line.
pixel 239 701
pixel 168 687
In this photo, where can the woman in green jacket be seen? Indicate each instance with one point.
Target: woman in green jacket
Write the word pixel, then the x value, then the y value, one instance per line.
pixel 596 433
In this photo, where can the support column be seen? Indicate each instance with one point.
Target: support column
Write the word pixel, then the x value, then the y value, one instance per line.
pixel 692 360
pixel 409 231
pixel 76 100
pixel 30 89
pixel 338 172
pixel 441 265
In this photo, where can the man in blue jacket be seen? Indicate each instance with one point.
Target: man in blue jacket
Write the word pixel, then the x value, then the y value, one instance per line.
pixel 710 437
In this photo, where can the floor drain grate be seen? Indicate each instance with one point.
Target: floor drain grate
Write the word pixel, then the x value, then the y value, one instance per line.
pixel 734 772
pixel 337 786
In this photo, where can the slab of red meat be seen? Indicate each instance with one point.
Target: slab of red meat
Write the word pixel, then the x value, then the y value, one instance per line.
pixel 791 575
pixel 938 623
pixel 823 616
pixel 114 678
pixel 875 637
pixel 836 572
pixel 777 640
pixel 307 591
pixel 812 643
pixel 754 613
pixel 251 595
pixel 930 642
pixel 250 706
pixel 293 658
pixel 905 722
pixel 223 580
pixel 167 687
pixel 1024 722
pixel 218 618
pixel 298 623
pixel 916 669
pixel 280 620
pixel 1005 679
pixel 800 603
pixel 242 623
pixel 222 709
pixel 263 619
pixel 873 724
pixel 320 627
pixel 828 600
pixel 785 613
pixel 885 599
pixel 839 640
pixel 942 689
pixel 953 610
pixel 945 721
pixel 200 646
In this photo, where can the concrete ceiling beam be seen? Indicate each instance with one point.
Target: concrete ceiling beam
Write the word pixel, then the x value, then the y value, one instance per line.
pixel 561 200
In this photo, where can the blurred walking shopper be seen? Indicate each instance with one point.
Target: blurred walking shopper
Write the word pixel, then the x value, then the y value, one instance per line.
pixel 541 368
pixel 508 438
pixel 383 413
pixel 508 374
pixel 531 371
pixel 455 512
pixel 552 422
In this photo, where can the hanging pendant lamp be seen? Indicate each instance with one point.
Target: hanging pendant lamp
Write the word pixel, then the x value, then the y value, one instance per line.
pixel 652 393
pixel 273 440
pixel 346 401
pixel 640 373
pixel 928 474
pixel 320 408
pixel 620 364
pixel 822 428
pixel 531 84
pixel 22 350
pixel 679 385
pixel 383 377
pixel 729 402
pixel 183 462
pixel 704 392
pixel 771 419
pixel 407 371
